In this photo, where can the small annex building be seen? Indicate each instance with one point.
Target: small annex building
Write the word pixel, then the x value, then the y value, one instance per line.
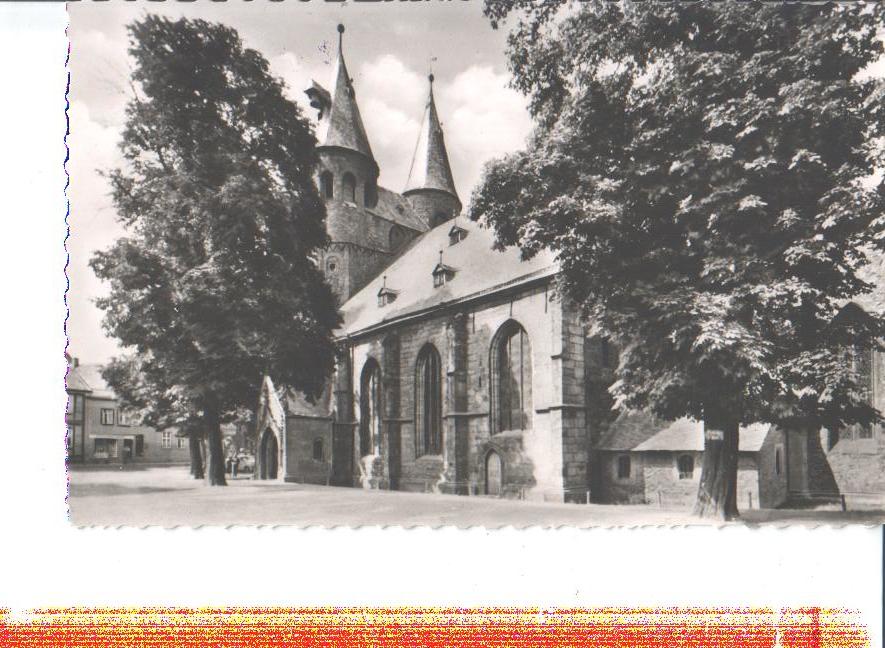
pixel 640 460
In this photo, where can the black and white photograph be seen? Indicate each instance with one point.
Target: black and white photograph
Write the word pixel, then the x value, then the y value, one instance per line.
pixel 476 264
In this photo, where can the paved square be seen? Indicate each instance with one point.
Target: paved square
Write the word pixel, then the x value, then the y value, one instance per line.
pixel 169 497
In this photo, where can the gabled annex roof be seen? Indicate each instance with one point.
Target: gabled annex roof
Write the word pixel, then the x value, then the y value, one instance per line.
pixel 481 270
pixel 641 432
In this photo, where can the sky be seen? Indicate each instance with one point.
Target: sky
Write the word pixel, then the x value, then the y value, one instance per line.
pixel 389 48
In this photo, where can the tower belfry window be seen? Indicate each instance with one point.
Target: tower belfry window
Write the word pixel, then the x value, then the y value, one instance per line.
pixel 326 183
pixel 348 183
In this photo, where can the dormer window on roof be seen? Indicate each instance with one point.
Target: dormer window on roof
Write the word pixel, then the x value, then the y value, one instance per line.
pixel 442 274
pixel 386 295
pixel 456 235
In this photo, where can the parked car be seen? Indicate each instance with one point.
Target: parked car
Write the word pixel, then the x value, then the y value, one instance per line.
pixel 246 462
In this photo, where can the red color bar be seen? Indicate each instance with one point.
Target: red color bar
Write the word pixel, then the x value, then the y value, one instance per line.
pixel 513 627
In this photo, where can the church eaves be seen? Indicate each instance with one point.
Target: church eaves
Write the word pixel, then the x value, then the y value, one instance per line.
pixel 345 128
pixel 430 165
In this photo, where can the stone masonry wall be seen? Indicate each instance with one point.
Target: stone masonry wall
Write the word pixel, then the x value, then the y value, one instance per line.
pixel 534 459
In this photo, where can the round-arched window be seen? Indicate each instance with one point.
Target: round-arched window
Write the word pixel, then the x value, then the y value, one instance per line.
pixel 326 184
pixel 348 186
pixel 370 195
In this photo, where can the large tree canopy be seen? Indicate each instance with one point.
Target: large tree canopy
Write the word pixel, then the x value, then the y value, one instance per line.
pixel 216 283
pixel 703 171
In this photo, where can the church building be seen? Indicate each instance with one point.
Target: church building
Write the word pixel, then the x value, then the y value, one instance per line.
pixel 460 370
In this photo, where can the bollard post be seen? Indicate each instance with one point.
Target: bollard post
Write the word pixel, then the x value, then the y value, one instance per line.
pixel 660 500
pixel 844 505
pixel 749 499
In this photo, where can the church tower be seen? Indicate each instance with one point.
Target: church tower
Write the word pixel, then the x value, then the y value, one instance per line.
pixel 347 177
pixel 430 187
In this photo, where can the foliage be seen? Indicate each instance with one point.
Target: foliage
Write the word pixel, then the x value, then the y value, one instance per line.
pixel 703 172
pixel 215 283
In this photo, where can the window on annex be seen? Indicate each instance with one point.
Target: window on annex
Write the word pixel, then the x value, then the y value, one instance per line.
pixel 370 409
pixel 318 450
pixel 107 416
pixel 428 402
pixel 166 440
pixel 624 467
pixel 778 460
pixel 139 445
pixel 348 186
pixel 511 379
pixel 685 465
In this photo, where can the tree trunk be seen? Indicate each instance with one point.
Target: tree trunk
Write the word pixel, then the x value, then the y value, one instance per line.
pixel 717 492
pixel 216 450
pixel 196 451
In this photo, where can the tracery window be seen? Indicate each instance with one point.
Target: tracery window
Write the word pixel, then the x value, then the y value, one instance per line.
pixel 370 409
pixel 511 379
pixel 428 402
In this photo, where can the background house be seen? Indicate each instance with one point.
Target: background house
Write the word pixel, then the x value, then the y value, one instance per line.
pixel 99 430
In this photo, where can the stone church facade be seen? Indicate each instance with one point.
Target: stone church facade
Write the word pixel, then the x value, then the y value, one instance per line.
pixel 460 371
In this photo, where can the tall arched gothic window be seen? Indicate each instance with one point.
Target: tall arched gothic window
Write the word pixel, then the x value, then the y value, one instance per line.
pixel 370 409
pixel 348 183
pixel 428 402
pixel 511 379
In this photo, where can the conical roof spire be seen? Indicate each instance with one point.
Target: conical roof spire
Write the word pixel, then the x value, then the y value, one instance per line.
pixel 430 164
pixel 345 126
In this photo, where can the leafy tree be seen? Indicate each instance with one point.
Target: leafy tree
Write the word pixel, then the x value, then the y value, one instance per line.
pixel 140 385
pixel 702 170
pixel 215 283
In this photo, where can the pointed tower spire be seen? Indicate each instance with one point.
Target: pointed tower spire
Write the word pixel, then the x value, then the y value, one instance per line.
pixel 345 126
pixel 430 163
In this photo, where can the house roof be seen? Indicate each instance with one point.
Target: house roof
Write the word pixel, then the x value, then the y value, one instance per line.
pixel 430 165
pixel 397 208
pixel 88 378
pixel 641 432
pixel 480 270
pixel 344 126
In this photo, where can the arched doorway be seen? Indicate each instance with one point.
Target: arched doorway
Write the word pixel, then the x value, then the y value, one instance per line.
pixel 269 451
pixel 494 473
